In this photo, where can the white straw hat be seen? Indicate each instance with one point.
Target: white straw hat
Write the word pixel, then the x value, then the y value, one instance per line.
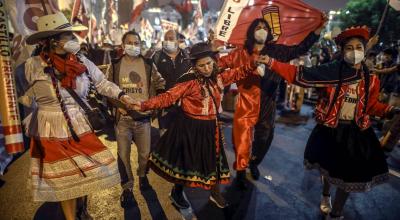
pixel 49 25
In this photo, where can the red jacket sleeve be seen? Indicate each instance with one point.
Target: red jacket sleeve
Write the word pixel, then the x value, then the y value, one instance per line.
pixel 233 75
pixel 287 71
pixel 168 98
pixel 375 107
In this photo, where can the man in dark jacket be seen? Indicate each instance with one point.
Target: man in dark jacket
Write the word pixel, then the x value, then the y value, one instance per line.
pixel 139 79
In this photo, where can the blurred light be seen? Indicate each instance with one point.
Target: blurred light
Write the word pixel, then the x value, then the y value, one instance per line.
pixel 251 2
pixel 347 12
pixel 338 12
pixel 332 12
pixel 155 10
pixel 330 17
pixel 157 21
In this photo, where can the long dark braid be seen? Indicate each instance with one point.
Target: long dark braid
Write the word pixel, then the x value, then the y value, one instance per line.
pixel 50 70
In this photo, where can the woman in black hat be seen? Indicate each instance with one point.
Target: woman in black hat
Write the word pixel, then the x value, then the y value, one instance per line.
pixel 191 152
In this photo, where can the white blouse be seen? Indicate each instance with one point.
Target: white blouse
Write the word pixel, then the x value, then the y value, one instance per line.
pixel 47 119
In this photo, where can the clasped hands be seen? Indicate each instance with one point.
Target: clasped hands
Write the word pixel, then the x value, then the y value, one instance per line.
pixel 130 103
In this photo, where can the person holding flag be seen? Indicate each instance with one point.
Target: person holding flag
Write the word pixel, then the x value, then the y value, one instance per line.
pixel 343 146
pixel 255 109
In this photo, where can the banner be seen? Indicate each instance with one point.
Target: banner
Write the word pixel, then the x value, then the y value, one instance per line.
pixel 198 15
pixel 8 96
pixel 5 158
pixel 290 20
pixel 23 15
pixel 137 9
pixel 169 25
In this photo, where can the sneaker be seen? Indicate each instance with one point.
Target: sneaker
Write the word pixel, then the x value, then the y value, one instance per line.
pixel 127 198
pixel 241 180
pixel 329 217
pixel 144 183
pixel 179 199
pixel 255 173
pixel 218 199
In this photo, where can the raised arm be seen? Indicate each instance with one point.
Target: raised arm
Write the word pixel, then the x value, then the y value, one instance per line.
pixel 286 53
pixel 168 98
pixel 319 76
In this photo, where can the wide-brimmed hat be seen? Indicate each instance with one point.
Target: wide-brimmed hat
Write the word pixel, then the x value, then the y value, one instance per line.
pixel 362 32
pixel 49 25
pixel 201 50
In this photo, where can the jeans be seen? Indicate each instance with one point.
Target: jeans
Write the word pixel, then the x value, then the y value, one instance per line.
pixel 128 130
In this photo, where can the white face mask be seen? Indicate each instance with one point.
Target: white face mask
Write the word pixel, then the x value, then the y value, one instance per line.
pixel 170 46
pixel 72 46
pixel 132 50
pixel 261 36
pixel 354 56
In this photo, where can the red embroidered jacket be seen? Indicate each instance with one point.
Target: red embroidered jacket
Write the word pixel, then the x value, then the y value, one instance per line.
pixel 193 101
pixel 327 76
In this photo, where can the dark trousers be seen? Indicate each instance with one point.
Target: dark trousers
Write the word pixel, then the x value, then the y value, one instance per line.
pixel 264 129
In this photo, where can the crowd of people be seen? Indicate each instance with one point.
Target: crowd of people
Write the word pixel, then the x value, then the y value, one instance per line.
pixel 183 88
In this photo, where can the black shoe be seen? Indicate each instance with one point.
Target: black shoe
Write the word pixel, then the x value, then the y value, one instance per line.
pixel 255 173
pixel 218 199
pixel 241 180
pixel 127 199
pixel 144 183
pixel 178 199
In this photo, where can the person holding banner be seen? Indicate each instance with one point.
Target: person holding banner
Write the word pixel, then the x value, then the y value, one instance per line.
pixel 191 152
pixel 257 101
pixel 68 161
pixel 343 146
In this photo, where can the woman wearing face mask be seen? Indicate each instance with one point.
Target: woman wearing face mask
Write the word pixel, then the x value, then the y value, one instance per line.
pixel 256 105
pixel 191 152
pixel 68 161
pixel 343 146
pixel 138 78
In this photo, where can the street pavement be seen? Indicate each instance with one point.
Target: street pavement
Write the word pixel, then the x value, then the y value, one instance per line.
pixel 284 191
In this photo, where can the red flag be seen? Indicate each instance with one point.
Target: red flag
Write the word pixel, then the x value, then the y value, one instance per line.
pixel 138 7
pixel 204 5
pixel 78 15
pixel 290 20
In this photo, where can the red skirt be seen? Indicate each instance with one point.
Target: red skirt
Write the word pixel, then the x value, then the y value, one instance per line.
pixel 66 169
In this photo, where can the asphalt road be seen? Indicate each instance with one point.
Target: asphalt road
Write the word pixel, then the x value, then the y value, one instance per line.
pixel 285 190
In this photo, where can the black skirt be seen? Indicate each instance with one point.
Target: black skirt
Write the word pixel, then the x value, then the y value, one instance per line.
pixel 347 157
pixel 187 153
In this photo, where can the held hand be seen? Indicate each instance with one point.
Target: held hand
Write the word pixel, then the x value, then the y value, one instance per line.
pixel 127 100
pixel 122 111
pixel 137 106
pixel 264 59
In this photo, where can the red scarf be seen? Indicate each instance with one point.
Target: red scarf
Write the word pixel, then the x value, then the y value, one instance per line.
pixel 70 67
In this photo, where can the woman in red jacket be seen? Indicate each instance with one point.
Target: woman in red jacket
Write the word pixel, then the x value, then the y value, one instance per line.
pixel 343 146
pixel 191 152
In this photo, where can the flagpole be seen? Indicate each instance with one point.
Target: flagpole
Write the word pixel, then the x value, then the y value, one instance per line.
pixel 385 12
pixel 44 7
